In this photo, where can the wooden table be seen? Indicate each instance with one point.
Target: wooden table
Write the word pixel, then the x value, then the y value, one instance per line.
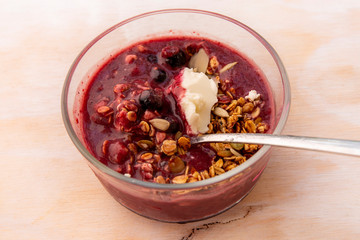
pixel 48 192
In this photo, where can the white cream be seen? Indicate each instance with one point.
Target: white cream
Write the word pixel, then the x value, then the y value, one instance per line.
pixel 252 96
pixel 199 98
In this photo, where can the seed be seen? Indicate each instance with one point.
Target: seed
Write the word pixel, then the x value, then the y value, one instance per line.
pixel 160 124
pixel 131 116
pixel 146 156
pixel 160 179
pixel 248 107
pixel 227 67
pixel 237 146
pixel 224 153
pixel 184 142
pixel 255 113
pixel 180 179
pixel 178 135
pixel 234 152
pixel 176 165
pixel 145 144
pixel 221 112
pixel 169 147
pixel 144 126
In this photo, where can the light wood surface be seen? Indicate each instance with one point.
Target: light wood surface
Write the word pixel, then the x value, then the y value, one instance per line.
pixel 48 192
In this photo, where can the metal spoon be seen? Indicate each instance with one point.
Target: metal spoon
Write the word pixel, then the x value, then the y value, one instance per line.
pixel 347 147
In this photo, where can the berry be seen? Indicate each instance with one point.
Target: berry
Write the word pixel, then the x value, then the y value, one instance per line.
pixel 174 56
pixel 151 99
pixel 152 58
pixel 174 124
pixel 158 74
pixel 117 152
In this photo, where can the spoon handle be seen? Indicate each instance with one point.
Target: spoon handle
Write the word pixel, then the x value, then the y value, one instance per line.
pixel 348 147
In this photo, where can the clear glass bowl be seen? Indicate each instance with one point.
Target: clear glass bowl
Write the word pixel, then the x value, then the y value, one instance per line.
pixel 176 202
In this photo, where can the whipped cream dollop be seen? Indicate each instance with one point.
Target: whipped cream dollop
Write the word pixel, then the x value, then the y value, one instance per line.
pixel 196 102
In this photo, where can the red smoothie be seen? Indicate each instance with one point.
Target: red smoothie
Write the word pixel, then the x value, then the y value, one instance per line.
pixel 132 121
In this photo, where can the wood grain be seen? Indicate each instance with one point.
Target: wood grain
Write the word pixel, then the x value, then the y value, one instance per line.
pixel 48 192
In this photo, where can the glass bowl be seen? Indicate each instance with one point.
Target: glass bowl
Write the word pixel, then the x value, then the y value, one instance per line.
pixel 176 202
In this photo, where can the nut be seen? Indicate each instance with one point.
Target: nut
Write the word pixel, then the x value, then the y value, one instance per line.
pixel 169 147
pixel 220 112
pixel 160 124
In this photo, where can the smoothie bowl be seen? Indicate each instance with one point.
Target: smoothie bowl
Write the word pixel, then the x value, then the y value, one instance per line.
pixel 136 94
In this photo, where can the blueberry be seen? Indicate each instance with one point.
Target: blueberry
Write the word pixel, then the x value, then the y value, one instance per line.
pixel 174 124
pixel 151 99
pixel 158 74
pixel 152 58
pixel 174 56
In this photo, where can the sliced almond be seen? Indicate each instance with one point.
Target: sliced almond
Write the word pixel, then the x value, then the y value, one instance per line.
pixel 227 67
pixel 218 111
pixel 199 61
pixel 233 151
pixel 160 124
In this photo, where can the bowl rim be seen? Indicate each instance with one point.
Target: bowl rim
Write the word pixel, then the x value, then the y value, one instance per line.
pixel 186 186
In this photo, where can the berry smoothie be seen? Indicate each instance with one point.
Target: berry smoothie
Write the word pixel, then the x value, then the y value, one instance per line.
pixel 144 104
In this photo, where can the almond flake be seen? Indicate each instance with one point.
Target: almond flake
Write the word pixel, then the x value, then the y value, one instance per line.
pixel 199 61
